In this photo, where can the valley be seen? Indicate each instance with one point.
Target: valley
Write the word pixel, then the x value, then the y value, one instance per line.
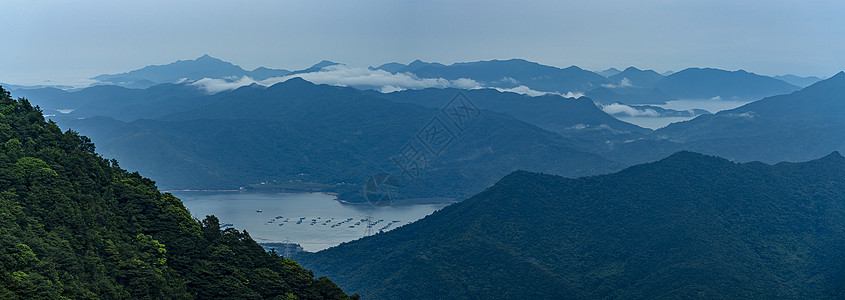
pixel 309 150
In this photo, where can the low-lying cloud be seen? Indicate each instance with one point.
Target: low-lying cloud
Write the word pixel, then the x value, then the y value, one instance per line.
pixel 534 93
pixel 342 75
pixel 624 83
pixel 383 81
pixel 625 110
pixel 213 86
pixel 746 115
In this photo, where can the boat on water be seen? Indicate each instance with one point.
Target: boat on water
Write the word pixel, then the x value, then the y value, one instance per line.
pixel 259 211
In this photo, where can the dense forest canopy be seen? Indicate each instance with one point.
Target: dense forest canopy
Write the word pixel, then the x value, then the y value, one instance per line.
pixel 688 226
pixel 74 225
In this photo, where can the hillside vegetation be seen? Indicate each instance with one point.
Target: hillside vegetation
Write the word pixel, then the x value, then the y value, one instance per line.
pixel 76 226
pixel 688 226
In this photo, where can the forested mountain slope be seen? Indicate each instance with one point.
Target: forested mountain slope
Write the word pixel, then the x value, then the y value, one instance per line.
pixel 687 226
pixel 76 226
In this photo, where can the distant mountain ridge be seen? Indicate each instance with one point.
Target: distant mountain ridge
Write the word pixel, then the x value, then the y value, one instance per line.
pixel 705 83
pixel 631 86
pixel 608 72
pixel 316 67
pixel 792 127
pixel 334 134
pixel 581 125
pixel 577 127
pixel 798 80
pixel 395 67
pixel 203 67
pixel 635 78
pixel 566 116
pixel 514 72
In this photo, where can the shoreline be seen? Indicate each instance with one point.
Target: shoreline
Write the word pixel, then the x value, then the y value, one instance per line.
pixel 400 202
pixel 210 191
pixel 409 201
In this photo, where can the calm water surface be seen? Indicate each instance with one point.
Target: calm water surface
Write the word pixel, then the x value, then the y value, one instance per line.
pixel 286 209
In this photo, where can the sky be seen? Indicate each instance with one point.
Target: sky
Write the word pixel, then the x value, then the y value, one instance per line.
pixel 66 42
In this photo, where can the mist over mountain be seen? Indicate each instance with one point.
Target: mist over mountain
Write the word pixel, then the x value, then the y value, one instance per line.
pixel 623 110
pixel 12 87
pixel 631 86
pixel 629 95
pixel 689 225
pixel 581 126
pixel 512 73
pixel 698 83
pixel 798 80
pixel 310 150
pixel 203 67
pixel 335 135
pixel 791 127
pixel 567 116
pixel 686 225
pixel 609 72
pixel 313 68
pixel 119 102
pixel 394 67
pixel 633 77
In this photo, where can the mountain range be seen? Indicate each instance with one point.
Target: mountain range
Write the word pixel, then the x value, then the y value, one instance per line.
pixel 118 102
pixel 633 77
pixel 630 86
pixel 798 80
pixel 790 127
pixel 337 136
pixel 203 67
pixel 178 133
pixel 686 226
pixel 705 83
pixel 512 73
pixel 567 116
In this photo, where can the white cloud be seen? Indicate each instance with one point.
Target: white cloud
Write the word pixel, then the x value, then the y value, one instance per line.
pixel 622 109
pixel 746 115
pixel 508 80
pixel 465 83
pixel 534 93
pixel 383 81
pixel 342 75
pixel 625 82
pixel 390 89
pixel 213 86
pixel 523 90
pixel 571 95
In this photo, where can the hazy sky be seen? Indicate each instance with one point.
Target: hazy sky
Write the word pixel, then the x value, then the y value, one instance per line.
pixel 64 41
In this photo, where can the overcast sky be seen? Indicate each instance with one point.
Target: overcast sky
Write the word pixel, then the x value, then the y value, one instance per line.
pixel 64 41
